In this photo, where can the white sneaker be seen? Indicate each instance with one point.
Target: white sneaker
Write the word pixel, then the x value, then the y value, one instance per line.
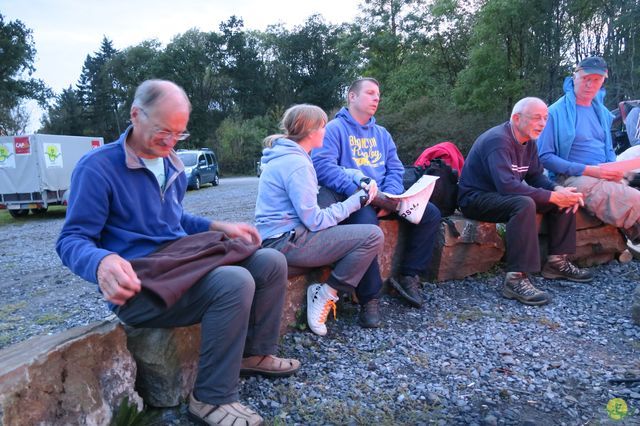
pixel 320 299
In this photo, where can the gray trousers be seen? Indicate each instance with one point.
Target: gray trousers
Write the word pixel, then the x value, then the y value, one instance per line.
pixel 239 308
pixel 349 248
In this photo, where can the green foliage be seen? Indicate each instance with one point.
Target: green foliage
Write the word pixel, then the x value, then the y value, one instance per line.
pixel 448 69
pixel 424 122
pixel 127 414
pixel 239 142
pixel 17 54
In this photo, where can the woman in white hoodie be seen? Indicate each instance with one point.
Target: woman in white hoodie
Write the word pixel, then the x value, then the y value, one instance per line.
pixel 289 219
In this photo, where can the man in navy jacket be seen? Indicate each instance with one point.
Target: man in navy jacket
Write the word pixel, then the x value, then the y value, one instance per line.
pixel 502 181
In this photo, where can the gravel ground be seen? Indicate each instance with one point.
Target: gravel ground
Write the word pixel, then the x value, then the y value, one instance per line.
pixel 467 357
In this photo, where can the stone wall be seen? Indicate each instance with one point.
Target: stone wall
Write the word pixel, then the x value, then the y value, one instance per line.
pixel 76 377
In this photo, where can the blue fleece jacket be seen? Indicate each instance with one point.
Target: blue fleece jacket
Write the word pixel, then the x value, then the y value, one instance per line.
pixel 287 192
pixel 554 144
pixel 349 144
pixel 117 206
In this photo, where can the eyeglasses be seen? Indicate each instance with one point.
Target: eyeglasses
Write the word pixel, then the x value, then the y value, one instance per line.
pixel 165 135
pixel 537 117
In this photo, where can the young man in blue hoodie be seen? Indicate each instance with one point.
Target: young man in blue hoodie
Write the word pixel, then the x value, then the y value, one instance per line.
pixel 126 209
pixel 577 142
pixel 353 140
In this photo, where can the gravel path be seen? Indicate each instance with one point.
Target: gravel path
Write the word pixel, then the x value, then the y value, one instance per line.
pixel 467 357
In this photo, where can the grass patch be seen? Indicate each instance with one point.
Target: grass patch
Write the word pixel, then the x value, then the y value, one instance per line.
pixel 7 310
pixel 51 319
pixel 548 323
pixel 53 212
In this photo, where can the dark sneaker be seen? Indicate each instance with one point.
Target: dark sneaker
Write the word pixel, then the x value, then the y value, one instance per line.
pixel 409 287
pixel 565 270
pixel 370 314
pixel 519 287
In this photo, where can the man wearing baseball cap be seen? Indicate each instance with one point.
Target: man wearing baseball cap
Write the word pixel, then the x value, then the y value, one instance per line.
pixel 576 143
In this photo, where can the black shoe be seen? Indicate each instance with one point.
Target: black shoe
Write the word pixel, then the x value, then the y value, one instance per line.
pixel 409 287
pixel 370 314
pixel 565 270
pixel 520 288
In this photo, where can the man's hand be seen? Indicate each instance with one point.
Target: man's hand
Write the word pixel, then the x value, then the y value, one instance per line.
pixel 567 198
pixel 238 230
pixel 117 279
pixel 370 186
pixel 603 173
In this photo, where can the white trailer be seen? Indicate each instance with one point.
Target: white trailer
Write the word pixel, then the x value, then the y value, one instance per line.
pixel 35 170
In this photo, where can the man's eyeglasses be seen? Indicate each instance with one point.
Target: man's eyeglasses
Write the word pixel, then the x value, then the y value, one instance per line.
pixel 537 117
pixel 165 135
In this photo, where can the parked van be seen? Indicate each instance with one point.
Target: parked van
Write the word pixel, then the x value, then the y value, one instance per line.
pixel 200 166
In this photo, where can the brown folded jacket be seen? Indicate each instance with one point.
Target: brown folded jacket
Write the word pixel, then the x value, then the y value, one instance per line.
pixel 174 268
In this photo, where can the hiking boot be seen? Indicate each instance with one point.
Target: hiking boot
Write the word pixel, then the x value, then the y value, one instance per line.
pixel 370 314
pixel 321 298
pixel 564 269
pixel 409 287
pixel 518 286
pixel 233 413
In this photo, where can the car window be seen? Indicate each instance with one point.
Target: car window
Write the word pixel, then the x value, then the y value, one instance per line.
pixel 188 159
pixel 210 159
pixel 201 160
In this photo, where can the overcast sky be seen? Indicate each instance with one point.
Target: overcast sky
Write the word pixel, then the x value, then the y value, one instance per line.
pixel 66 31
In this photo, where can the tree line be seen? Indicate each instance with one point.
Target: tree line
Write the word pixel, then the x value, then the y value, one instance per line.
pixel 448 70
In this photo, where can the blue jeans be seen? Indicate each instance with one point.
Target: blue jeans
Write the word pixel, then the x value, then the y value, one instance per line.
pixel 416 254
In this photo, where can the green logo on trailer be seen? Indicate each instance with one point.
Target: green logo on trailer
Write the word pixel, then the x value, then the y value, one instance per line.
pixel 4 154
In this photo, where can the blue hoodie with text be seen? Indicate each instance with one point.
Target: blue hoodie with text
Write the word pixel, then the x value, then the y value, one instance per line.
pixel 367 147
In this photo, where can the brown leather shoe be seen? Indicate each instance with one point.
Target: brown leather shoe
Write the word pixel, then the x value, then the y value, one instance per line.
pixel 409 287
pixel 268 365
pixel 233 413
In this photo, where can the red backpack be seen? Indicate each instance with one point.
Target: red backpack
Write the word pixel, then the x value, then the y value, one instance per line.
pixel 447 151
pixel 445 161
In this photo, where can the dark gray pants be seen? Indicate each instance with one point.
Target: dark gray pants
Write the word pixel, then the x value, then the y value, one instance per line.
pixel 349 248
pixel 519 212
pixel 239 309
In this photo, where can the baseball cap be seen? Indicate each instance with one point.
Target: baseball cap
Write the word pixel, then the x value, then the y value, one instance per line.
pixel 593 65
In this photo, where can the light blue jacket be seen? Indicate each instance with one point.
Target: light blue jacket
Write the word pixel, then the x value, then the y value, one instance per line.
pixel 288 189
pixel 557 138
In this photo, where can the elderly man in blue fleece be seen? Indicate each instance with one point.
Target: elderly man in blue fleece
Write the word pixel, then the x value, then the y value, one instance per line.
pixel 502 181
pixel 576 143
pixel 125 223
pixel 353 140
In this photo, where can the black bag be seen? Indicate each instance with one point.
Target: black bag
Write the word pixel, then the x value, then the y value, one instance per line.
pixel 445 192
